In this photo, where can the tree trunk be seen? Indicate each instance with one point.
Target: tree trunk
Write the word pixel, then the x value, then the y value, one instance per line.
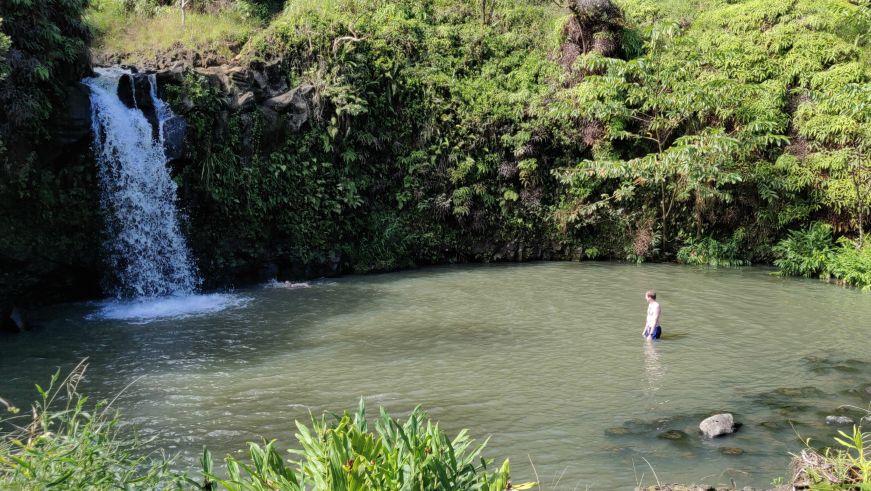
pixel 664 217
pixel 861 230
pixel 859 179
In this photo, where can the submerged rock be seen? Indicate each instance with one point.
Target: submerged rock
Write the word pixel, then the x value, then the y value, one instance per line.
pixel 718 424
pixel 789 424
pixel 807 391
pixel 734 451
pixel 788 401
pixel 839 420
pixel 673 435
pixel 617 431
pixel 819 364
pixel 772 425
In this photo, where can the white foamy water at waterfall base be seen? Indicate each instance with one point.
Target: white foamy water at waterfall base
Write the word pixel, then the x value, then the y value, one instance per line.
pixel 170 307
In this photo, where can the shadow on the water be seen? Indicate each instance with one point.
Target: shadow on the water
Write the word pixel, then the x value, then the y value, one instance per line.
pixel 672 335
pixel 829 364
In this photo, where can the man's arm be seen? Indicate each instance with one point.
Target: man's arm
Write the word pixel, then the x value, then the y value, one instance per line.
pixel 657 310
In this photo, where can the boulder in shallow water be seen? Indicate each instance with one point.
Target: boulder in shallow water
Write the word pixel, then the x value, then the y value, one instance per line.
pixel 733 451
pixel 839 420
pixel 717 425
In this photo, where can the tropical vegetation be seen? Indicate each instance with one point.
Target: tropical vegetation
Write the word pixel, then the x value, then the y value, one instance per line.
pixel 459 130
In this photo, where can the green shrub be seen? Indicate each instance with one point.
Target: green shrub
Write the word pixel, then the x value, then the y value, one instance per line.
pixel 343 454
pixel 805 252
pixel 71 444
pixel 711 252
pixel 852 265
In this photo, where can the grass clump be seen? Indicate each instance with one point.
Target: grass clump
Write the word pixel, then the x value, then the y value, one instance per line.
pixel 139 35
pixel 68 443
pixel 847 467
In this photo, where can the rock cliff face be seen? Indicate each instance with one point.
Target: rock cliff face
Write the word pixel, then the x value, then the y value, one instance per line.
pixel 254 89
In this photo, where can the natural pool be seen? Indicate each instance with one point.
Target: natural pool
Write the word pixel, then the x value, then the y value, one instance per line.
pixel 545 357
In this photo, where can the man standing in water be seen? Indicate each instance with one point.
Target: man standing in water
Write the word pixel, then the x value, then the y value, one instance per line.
pixel 652 329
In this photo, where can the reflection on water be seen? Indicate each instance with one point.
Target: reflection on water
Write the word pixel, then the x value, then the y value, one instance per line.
pixel 536 355
pixel 654 371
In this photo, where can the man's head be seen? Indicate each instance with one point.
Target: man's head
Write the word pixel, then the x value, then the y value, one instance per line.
pixel 650 295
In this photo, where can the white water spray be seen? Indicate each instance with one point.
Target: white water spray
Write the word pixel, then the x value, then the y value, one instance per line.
pixel 146 251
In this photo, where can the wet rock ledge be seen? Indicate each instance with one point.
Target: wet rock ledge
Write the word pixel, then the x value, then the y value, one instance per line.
pixel 257 91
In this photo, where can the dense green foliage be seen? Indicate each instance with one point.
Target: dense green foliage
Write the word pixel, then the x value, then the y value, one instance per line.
pixel 696 129
pixel 48 48
pixel 852 265
pixel 812 252
pixel 805 252
pixel 69 443
pixel 417 150
pixel 444 132
pixel 49 226
pixel 5 42
pixel 458 130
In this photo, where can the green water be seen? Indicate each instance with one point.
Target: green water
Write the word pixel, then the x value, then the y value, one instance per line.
pixel 546 358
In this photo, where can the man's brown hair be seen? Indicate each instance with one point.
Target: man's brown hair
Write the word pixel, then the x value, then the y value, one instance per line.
pixel 651 294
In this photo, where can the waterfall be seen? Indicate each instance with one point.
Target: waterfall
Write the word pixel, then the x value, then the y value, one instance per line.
pixel 146 252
